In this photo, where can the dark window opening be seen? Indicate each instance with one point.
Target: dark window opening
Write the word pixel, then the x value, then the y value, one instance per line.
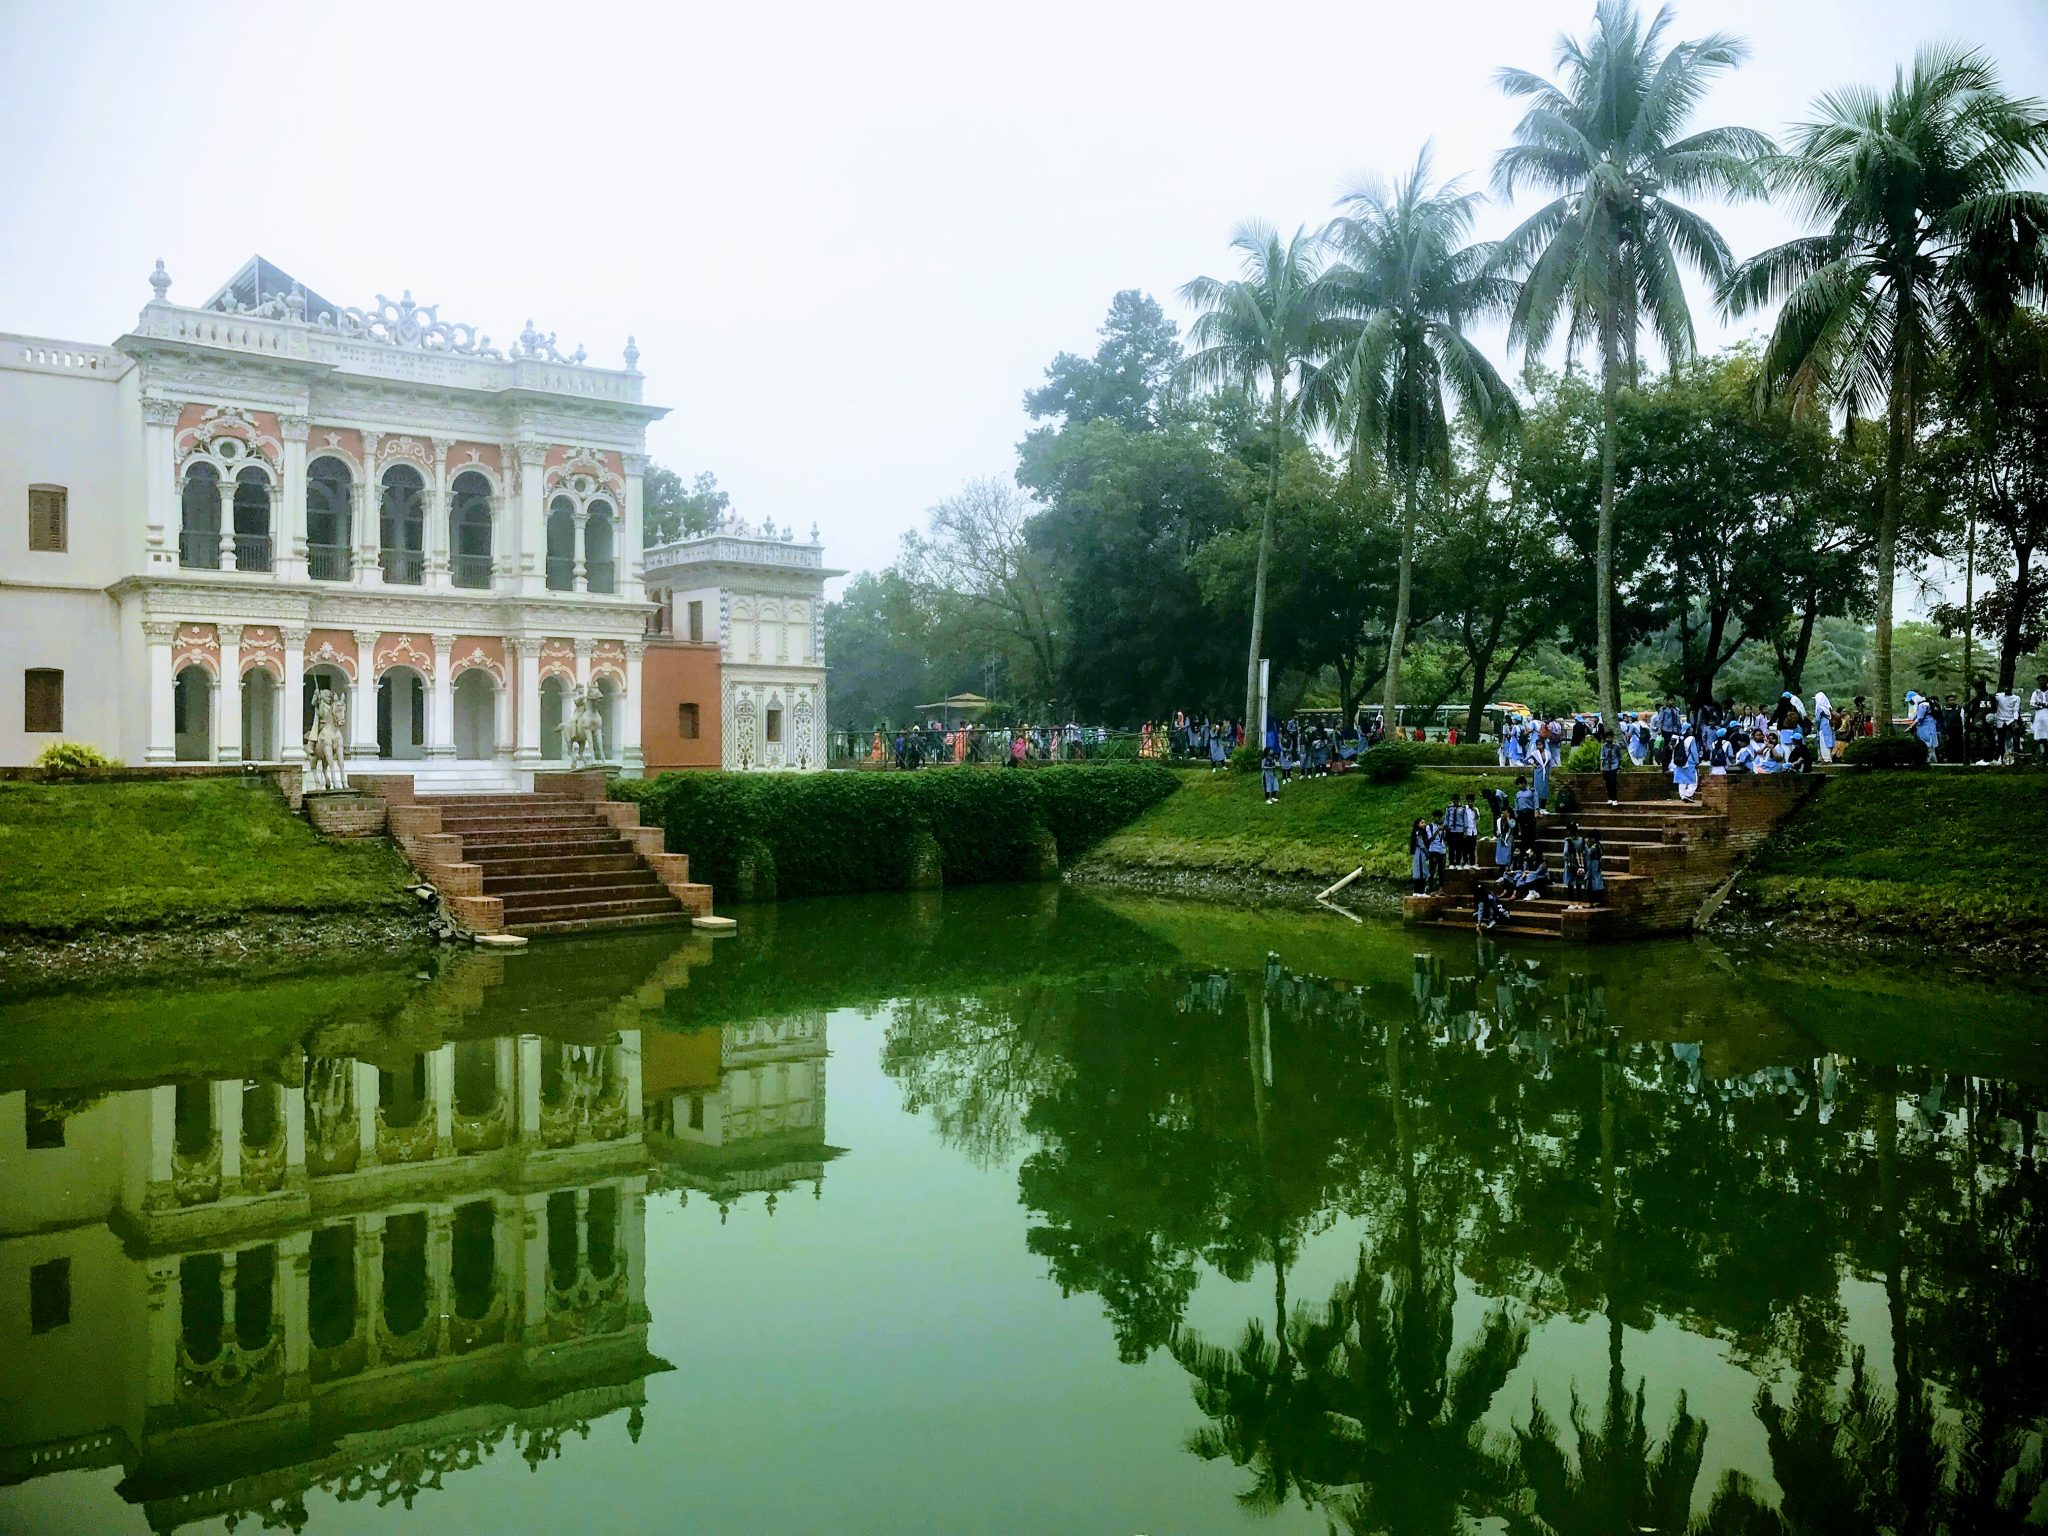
pixel 49 1295
pixel 42 699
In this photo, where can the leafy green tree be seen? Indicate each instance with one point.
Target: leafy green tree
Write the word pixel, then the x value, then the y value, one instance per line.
pixel 889 650
pixel 1124 513
pixel 1604 255
pixel 1492 560
pixel 1129 380
pixel 1990 453
pixel 1328 583
pixel 1410 284
pixel 671 510
pixel 975 561
pixel 1268 329
pixel 1928 237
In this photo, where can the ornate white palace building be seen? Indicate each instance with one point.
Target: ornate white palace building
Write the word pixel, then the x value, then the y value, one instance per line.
pixel 241 502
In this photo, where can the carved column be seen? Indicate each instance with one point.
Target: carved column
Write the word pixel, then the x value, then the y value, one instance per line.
pixel 227 733
pixel 226 492
pixel 581 581
pixel 440 1264
pixel 166 1324
pixel 227 1116
pixel 371 1247
pixel 631 756
pixel 362 704
pixel 528 753
pixel 528 1087
pixel 369 531
pixel 163 682
pixel 290 513
pixel 441 1086
pixel 533 530
pixel 160 481
pixel 291 735
pixel 294 1287
pixel 629 554
pixel 368 1094
pixel 441 718
pixel 437 517
pixel 504 712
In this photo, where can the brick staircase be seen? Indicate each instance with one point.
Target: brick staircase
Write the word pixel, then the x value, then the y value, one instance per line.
pixel 559 859
pixel 1662 857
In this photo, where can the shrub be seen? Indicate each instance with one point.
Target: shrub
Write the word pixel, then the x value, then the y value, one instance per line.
pixel 760 836
pixel 1119 749
pixel 1390 762
pixel 1584 758
pixel 1245 760
pixel 1886 752
pixel 1470 754
pixel 74 757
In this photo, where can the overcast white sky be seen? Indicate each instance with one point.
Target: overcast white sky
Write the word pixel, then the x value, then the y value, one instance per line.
pixel 847 237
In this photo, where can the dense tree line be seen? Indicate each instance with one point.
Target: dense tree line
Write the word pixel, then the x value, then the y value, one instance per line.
pixel 1330 457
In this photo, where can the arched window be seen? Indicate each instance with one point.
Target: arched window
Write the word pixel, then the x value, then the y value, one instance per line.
pixel 252 520
pixel 562 545
pixel 199 530
pixel 402 526
pixel 599 542
pixel 469 530
pixel 328 488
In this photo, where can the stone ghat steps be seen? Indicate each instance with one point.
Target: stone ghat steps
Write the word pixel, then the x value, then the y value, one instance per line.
pixel 545 861
pixel 1661 857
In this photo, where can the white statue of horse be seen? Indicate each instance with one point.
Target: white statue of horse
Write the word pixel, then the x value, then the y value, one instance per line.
pixel 327 742
pixel 586 730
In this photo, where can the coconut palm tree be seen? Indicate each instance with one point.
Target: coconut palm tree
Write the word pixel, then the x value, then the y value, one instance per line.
pixel 1411 284
pixel 1268 330
pixel 1604 255
pixel 1927 238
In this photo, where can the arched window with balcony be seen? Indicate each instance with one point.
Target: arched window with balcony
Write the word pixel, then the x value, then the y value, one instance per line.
pixel 402 526
pixel 469 530
pixel 600 544
pixel 562 545
pixel 199 526
pixel 329 490
pixel 252 520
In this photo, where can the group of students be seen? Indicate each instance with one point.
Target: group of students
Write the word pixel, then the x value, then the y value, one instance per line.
pixel 1450 840
pixel 1990 727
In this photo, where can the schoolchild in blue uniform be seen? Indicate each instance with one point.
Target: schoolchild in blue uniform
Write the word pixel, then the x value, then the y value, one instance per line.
pixel 1269 766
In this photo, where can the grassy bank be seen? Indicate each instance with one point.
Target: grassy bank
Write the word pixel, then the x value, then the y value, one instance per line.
pixel 761 837
pixel 176 854
pixel 1940 857
pixel 1221 828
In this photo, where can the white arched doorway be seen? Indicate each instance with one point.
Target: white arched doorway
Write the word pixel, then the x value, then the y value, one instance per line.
pixel 402 714
pixel 192 715
pixel 476 715
pixel 260 698
pixel 554 718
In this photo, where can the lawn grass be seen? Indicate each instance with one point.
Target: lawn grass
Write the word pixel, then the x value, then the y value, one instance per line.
pixel 1945 853
pixel 1322 829
pixel 83 858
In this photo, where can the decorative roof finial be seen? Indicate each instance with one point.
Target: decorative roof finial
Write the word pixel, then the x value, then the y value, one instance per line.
pixel 814 531
pixel 632 356
pixel 160 280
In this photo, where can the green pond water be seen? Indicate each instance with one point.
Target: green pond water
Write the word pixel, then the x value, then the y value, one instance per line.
pixel 1028 1211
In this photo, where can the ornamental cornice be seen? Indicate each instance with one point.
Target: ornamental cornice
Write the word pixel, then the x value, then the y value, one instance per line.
pixel 185 378
pixel 160 413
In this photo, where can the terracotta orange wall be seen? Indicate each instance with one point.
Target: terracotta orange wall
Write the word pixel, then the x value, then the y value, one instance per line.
pixel 672 674
pixel 673 1062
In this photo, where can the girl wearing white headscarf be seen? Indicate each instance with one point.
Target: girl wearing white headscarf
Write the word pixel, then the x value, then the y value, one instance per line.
pixel 1824 724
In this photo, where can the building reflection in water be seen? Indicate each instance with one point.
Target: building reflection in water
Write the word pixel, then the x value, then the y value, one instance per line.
pixel 368 1268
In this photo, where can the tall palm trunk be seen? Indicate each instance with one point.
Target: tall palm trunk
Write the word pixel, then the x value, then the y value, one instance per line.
pixel 1253 719
pixel 1398 640
pixel 1603 554
pixel 1888 549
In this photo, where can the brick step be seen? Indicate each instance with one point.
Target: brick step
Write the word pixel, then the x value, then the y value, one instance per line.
pixel 1467 923
pixel 597 924
pixel 577 839
pixel 479 825
pixel 556 866
pixel 1525 917
pixel 496 884
pixel 663 905
pixel 497 797
pixel 600 888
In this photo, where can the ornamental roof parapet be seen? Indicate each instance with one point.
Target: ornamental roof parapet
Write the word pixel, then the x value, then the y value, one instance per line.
pixel 373 354
pixel 736 542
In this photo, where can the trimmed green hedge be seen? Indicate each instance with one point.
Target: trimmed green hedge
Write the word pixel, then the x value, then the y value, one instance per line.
pixel 1467 754
pixel 755 837
pixel 1391 761
pixel 1886 752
